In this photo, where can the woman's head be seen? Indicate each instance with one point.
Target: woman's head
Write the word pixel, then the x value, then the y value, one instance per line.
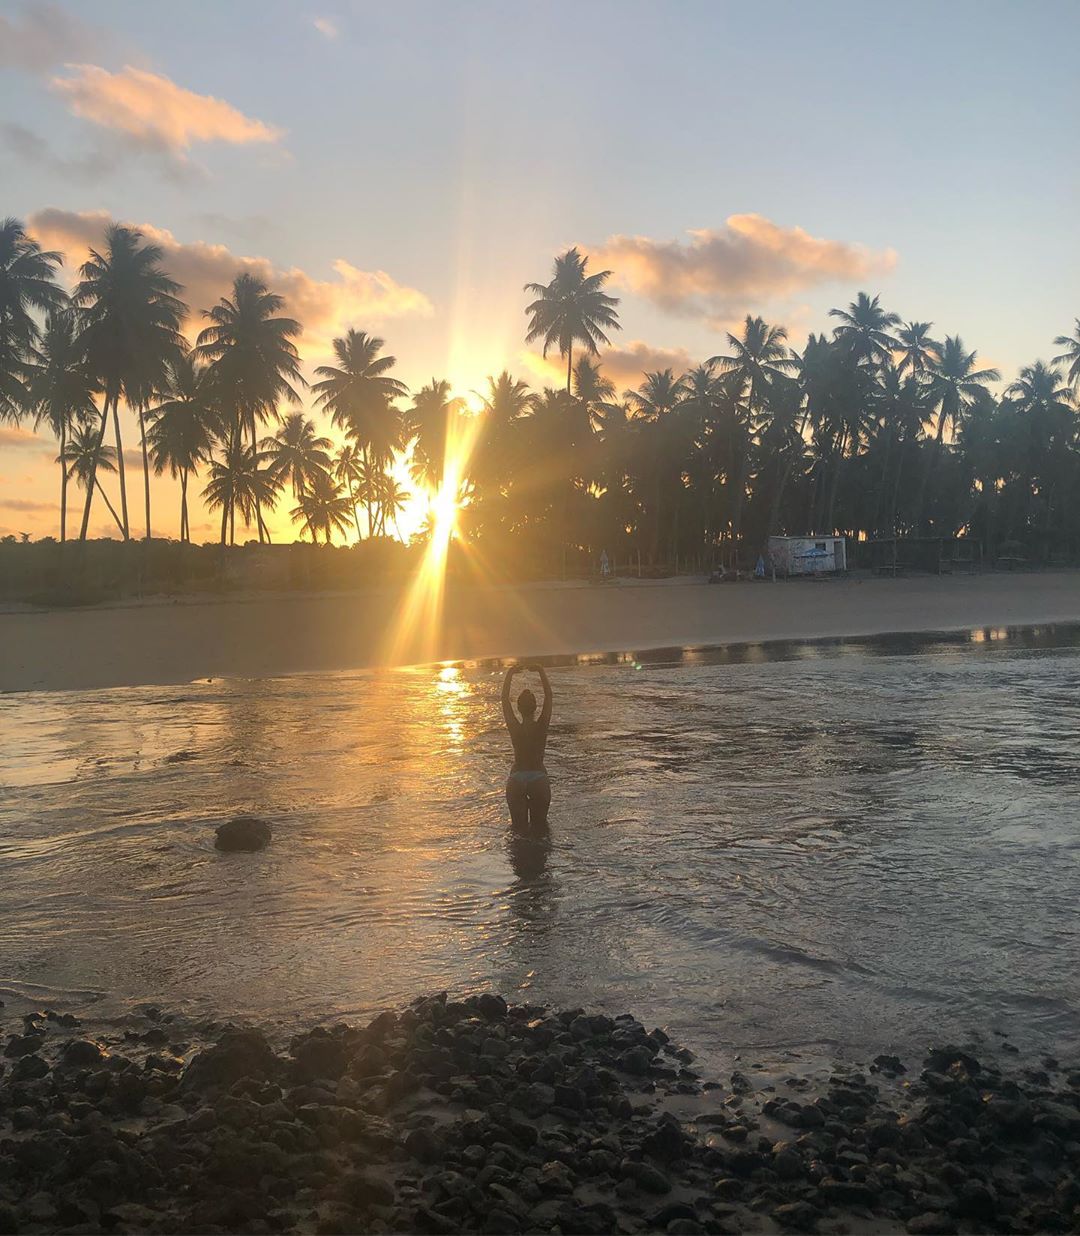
pixel 527 704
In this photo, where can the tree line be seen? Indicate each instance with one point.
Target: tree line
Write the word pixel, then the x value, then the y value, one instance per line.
pixel 876 429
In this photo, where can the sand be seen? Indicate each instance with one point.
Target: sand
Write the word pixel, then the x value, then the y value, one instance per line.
pixel 172 642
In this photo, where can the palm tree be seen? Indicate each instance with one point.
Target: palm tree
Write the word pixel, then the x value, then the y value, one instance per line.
pixel 254 364
pixel 239 481
pixel 359 394
pixel 84 457
pixel 27 283
pixel 653 404
pixel 323 507
pixel 571 308
pixel 132 319
pixel 1048 412
pixel 757 361
pixel 182 427
pixel 429 420
pixel 1071 355
pixel 918 352
pixel 865 327
pixel 349 469
pixel 61 390
pixel 297 454
pixel 955 381
pixel 391 498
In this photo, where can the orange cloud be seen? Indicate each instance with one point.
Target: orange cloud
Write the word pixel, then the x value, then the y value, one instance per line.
pixel 720 272
pixel 326 27
pixel 14 435
pixel 325 308
pixel 625 366
pixel 154 111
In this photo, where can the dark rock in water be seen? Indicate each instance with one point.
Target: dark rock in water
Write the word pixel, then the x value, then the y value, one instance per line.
pixel 246 832
pixel 891 1066
pixel 636 1060
pixel 239 1053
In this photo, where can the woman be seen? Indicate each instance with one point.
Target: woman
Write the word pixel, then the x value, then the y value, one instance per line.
pixel 528 791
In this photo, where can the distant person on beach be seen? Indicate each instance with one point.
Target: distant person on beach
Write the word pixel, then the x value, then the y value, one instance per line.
pixel 605 564
pixel 528 791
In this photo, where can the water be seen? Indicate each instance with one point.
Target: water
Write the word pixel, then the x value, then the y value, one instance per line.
pixel 855 846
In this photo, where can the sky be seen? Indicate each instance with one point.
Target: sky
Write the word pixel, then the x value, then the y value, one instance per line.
pixel 405 169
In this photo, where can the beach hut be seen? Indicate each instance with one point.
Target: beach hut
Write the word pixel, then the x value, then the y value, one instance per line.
pixel 807 555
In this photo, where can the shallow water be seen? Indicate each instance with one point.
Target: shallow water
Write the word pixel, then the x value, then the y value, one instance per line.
pixel 862 845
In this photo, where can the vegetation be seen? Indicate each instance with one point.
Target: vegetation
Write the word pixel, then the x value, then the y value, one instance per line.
pixel 877 429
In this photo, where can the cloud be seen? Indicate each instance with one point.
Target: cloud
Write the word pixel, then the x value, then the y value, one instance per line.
pixel 326 27
pixel 325 308
pixel 154 112
pixel 32 149
pixel 624 366
pixel 718 273
pixel 14 436
pixel 42 36
pixel 26 506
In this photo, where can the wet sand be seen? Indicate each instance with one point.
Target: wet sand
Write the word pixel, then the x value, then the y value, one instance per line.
pixel 261 636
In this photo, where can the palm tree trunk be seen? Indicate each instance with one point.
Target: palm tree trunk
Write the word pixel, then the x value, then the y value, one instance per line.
pixel 224 521
pixel 63 482
pixel 120 467
pixel 355 513
pixel 146 469
pixel 112 510
pixel 367 495
pixel 569 365
pixel 93 470
pixel 185 532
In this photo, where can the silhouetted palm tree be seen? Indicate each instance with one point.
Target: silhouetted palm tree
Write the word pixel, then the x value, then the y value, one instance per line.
pixel 1071 355
pixel 84 458
pixel 572 308
pixel 359 394
pixel 132 319
pixel 918 352
pixel 865 327
pixel 955 381
pixel 254 364
pixel 183 426
pixel 27 284
pixel 324 507
pixel 61 390
pixel 349 469
pixel 238 481
pixel 297 454
pixel 429 422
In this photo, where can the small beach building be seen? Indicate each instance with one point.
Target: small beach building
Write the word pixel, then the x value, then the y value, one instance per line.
pixel 807 555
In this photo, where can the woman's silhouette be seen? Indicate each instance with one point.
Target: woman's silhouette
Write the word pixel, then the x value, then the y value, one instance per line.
pixel 528 791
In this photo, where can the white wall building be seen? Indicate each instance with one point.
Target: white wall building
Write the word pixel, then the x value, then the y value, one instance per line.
pixel 807 555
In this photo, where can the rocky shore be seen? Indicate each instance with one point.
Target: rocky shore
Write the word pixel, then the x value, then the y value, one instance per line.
pixel 478 1116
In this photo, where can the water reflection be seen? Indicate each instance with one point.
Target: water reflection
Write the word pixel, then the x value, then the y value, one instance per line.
pixel 869 842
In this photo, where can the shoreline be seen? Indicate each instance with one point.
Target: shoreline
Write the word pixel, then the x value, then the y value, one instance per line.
pixel 163 643
pixel 474 1114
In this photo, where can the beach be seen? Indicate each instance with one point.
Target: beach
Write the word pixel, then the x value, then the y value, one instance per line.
pixel 162 642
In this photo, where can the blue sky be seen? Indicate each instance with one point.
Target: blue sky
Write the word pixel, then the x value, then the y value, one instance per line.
pixel 458 147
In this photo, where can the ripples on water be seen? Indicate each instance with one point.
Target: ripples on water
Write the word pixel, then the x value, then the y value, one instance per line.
pixel 862 844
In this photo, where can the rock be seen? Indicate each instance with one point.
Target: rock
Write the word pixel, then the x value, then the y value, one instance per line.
pixel 931 1223
pixel 637 1060
pixel 363 1189
pixel 237 1054
pixel 319 1055
pixel 425 1146
pixel 741 1084
pixel 246 832
pixel 891 1066
pixel 645 1176
pixel 29 1068
pixel 846 1192
pixel 798 1215
pixel 82 1053
pixel 23 1045
pixel 976 1201
pixel 788 1165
